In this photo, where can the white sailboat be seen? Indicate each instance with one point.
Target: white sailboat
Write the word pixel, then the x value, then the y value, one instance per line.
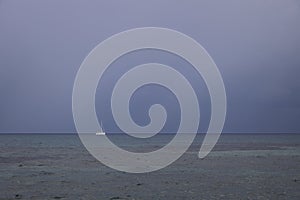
pixel 101 132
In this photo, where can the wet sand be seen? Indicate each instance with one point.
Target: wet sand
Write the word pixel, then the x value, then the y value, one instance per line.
pixel 59 167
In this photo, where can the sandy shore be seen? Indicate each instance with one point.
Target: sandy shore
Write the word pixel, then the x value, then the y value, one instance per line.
pixel 59 167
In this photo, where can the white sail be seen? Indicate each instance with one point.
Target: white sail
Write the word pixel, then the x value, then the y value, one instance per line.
pixel 101 132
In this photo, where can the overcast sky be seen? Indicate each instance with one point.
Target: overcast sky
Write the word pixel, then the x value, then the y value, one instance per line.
pixel 255 44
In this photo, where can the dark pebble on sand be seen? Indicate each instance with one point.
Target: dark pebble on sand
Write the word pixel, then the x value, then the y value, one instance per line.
pixel 46 173
pixel 18 196
pixel 259 156
pixel 113 198
pixel 139 184
pixel 64 181
pixel 20 165
pixel 58 197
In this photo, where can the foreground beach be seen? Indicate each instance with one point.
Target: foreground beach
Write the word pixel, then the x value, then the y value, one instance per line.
pixel 240 167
